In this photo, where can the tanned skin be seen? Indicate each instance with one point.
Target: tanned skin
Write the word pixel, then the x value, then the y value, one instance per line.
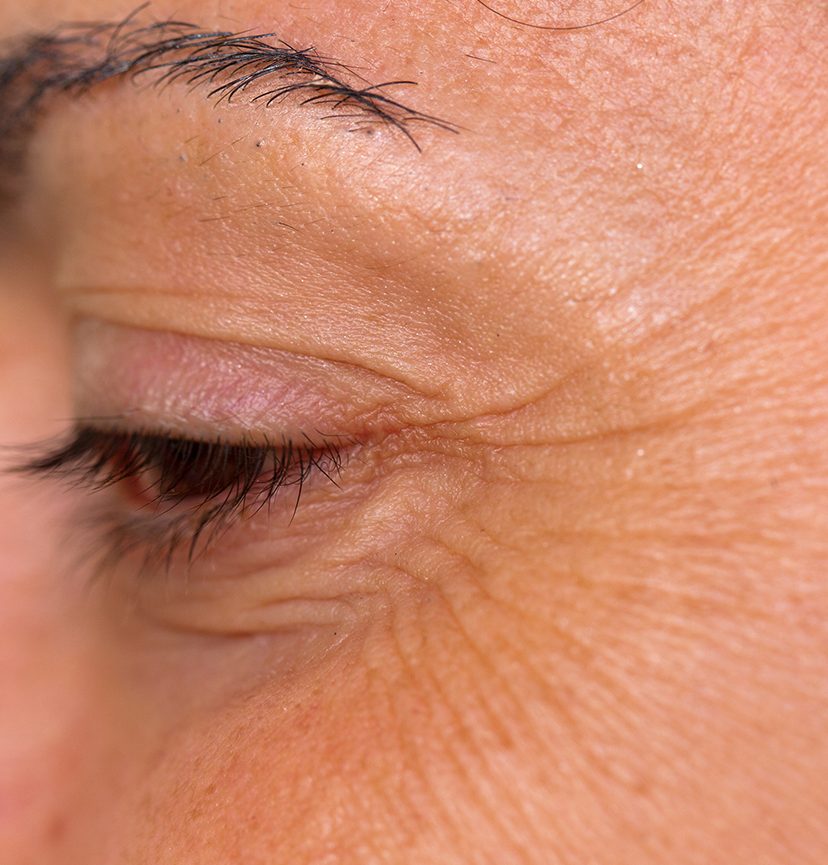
pixel 568 603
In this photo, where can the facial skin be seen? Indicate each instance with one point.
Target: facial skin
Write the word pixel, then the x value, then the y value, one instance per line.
pixel 568 603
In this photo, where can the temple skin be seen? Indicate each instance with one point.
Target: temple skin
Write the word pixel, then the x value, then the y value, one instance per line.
pixel 570 603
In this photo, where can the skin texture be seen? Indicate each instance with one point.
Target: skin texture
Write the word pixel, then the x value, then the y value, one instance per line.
pixel 570 602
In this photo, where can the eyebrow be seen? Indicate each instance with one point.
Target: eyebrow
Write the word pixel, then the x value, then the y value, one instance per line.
pixel 74 58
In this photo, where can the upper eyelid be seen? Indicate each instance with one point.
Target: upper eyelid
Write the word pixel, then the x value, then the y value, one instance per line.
pixel 75 58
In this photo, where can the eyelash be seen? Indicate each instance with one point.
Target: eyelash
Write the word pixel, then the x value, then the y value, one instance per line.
pixel 192 488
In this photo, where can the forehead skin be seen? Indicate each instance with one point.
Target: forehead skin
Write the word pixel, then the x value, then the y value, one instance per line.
pixel 610 287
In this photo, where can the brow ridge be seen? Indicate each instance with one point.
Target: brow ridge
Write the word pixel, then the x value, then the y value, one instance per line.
pixel 74 58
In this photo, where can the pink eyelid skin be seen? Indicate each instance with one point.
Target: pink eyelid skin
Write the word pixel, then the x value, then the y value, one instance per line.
pixel 195 386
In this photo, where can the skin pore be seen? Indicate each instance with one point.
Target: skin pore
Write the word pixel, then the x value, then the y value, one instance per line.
pixel 566 601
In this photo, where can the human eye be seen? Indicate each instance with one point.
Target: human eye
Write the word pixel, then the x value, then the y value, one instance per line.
pixel 199 468
pixel 250 394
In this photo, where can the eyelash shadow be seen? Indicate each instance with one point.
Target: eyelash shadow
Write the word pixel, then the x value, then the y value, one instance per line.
pixel 193 488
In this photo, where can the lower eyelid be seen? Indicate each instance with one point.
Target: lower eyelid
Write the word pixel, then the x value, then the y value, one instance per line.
pixel 335 565
pixel 277 568
pixel 328 565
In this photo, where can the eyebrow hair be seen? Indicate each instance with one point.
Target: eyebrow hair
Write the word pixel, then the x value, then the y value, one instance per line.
pixel 76 57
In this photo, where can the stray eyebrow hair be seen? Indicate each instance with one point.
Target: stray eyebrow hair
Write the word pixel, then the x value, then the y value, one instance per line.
pixel 74 58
